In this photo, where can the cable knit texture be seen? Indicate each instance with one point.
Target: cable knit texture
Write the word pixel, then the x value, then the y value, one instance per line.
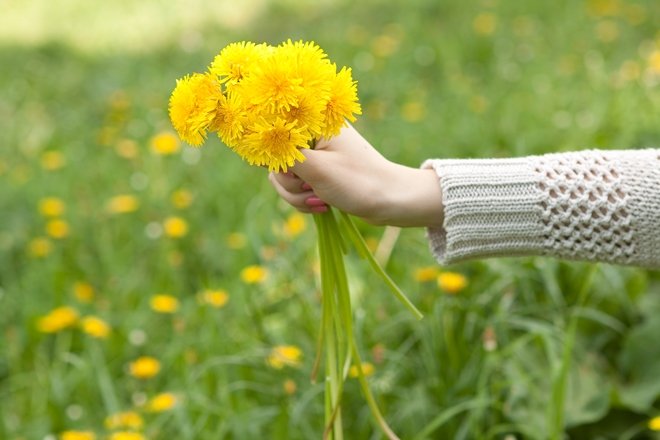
pixel 589 205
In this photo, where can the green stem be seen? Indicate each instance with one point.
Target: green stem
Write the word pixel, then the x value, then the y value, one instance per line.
pixel 354 234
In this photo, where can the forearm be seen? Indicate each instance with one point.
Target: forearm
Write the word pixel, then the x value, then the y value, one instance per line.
pixel 592 205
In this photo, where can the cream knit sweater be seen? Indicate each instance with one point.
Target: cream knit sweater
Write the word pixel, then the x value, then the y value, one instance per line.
pixel 589 205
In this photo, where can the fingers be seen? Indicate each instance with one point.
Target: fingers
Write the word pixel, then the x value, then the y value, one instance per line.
pixel 296 192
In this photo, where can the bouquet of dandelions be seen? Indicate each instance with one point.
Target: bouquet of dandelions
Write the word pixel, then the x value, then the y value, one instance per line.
pixel 267 103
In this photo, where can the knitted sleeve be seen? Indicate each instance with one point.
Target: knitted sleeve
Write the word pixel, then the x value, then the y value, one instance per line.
pixel 589 205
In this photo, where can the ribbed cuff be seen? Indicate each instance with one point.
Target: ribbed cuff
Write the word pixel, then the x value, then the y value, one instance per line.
pixel 491 208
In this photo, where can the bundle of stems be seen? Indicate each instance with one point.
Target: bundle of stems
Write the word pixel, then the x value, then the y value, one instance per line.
pixel 336 336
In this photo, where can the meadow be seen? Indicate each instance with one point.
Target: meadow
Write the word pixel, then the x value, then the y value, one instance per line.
pixel 151 290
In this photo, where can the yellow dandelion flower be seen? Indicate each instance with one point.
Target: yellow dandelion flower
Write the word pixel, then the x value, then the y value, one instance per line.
pixel 84 292
pixel 124 420
pixel 57 228
pixel 237 60
pixel 77 435
pixel 165 144
pixel 181 198
pixel 284 355
pixel 425 274
pixel 123 204
pixel 126 435
pixel 193 106
pixel 230 119
pixel 58 319
pixel 310 64
pixel 654 62
pixel 289 386
pixel 95 327
pixel 452 282
pixel 164 303
pixel 51 207
pixel 236 240
pixel 343 103
pixel 485 23
pixel 273 145
pixel 367 369
pixel 654 424
pixel 273 85
pixel 162 402
pixel 144 367
pixel 295 225
pixel 175 227
pixel 254 274
pixel 308 113
pixel 214 298
pixel 52 160
pixel 40 247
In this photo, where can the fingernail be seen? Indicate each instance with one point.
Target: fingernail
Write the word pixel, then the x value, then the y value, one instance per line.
pixel 314 201
pixel 322 208
pixel 305 186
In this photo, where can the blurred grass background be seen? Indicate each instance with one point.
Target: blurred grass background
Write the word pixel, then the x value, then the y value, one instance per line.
pixel 529 348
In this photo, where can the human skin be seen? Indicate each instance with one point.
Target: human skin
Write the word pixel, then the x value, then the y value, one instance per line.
pixel 347 172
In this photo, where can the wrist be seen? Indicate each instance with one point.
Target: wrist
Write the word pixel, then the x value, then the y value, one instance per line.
pixel 413 199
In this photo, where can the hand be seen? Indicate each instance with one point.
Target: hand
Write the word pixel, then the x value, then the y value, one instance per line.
pixel 348 173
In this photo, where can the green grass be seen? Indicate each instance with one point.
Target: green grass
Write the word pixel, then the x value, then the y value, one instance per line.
pixel 576 355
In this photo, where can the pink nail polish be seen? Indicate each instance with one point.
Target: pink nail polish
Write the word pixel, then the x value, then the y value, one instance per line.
pixel 314 201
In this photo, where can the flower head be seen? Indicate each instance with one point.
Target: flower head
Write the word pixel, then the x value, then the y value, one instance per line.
pixel 57 228
pixel 84 292
pixel 77 435
pixel 654 424
pixel 254 274
pixel 343 103
pixel 214 298
pixel 144 367
pixel 95 327
pixel 366 367
pixel 165 143
pixel 58 319
pixel 452 282
pixel 230 119
pixel 51 207
pixel 161 402
pixel 193 106
pixel 175 227
pixel 122 204
pixel 164 303
pixel 284 355
pixel 40 247
pixel 126 435
pixel 237 60
pixel 275 145
pixel 124 420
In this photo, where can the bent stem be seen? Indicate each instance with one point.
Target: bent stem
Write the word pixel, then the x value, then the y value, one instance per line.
pixel 337 335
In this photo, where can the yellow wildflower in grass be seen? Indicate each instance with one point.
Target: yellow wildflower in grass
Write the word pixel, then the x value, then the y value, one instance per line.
pixel 95 327
pixel 77 435
pixel 343 103
pixel 57 228
pixel 51 207
pixel 485 23
pixel 452 282
pixel 284 355
pixel 367 368
pixel 58 319
pixel 193 106
pixel 126 435
pixel 295 225
pixel 84 292
pixel 165 144
pixel 52 160
pixel 127 148
pixel 181 198
pixel 426 274
pixel 123 204
pixel 654 62
pixel 175 227
pixel 214 298
pixel 236 240
pixel 40 247
pixel 654 424
pixel 164 303
pixel 124 420
pixel 254 274
pixel 289 387
pixel 144 367
pixel 161 402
